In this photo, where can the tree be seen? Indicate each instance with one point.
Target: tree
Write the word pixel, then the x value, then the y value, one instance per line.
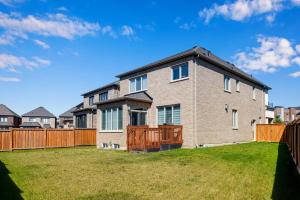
pixel 278 120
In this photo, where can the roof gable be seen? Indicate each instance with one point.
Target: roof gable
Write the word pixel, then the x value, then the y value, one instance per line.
pixel 5 111
pixel 39 112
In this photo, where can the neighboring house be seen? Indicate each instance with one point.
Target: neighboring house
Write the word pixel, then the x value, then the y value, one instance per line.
pixel 8 118
pixel 213 100
pixel 287 114
pixel 66 119
pixel 85 116
pixel 38 118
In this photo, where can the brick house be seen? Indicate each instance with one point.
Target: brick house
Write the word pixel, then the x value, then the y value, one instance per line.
pixel 8 118
pixel 212 99
pixel 38 118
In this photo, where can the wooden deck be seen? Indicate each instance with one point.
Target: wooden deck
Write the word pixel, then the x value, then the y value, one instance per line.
pixel 143 138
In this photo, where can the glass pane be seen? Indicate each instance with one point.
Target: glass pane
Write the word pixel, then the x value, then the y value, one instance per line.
pixel 142 118
pixel 132 85
pixel 108 125
pixel 103 96
pixel 226 83
pixel 184 71
pixel 115 119
pixel 161 114
pixel 120 120
pixel 134 119
pixel 145 82
pixel 138 83
pixel 176 73
pixel 176 115
pixel 168 115
pixel 103 120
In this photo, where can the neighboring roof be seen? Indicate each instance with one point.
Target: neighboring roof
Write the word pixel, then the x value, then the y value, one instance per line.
pixel 39 112
pixel 5 111
pixel 114 84
pixel 203 54
pixel 298 114
pixel 68 113
pixel 141 97
pixel 84 109
pixel 30 124
pixel 47 126
pixel 6 124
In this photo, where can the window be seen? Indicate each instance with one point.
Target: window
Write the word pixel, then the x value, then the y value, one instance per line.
pixel 253 93
pixel 227 83
pixel 237 85
pixel 138 118
pixel 168 115
pixel 138 83
pixel 104 145
pixel 91 100
pixel 180 72
pixel 112 119
pixel 33 119
pixel 3 119
pixel 116 146
pixel 81 121
pixel 103 96
pixel 235 120
pixel 45 120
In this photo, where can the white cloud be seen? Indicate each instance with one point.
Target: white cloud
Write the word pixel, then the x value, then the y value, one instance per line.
pixel 11 62
pixel 240 10
pixel 295 74
pixel 56 25
pixel 296 2
pixel 270 18
pixel 42 44
pixel 109 30
pixel 10 2
pixel 62 8
pixel 127 30
pixel 9 79
pixel 296 60
pixel 187 26
pixel 272 54
pixel 298 48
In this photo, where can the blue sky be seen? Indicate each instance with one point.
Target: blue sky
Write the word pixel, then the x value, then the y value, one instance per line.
pixel 53 51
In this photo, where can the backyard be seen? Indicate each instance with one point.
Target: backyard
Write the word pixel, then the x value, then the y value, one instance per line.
pixel 244 171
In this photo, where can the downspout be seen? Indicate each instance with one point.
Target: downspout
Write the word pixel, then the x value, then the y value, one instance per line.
pixel 195 102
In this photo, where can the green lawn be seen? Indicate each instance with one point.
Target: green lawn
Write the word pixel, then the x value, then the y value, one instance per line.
pixel 245 171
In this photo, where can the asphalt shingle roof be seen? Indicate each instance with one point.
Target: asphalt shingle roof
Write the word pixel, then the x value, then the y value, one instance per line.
pixel 68 113
pixel 140 96
pixel 5 111
pixel 30 124
pixel 38 112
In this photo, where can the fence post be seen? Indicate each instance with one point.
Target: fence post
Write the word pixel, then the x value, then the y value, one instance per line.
pixel 12 140
pixel 74 137
pixel 45 138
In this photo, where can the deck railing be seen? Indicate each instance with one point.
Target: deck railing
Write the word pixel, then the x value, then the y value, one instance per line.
pixel 144 138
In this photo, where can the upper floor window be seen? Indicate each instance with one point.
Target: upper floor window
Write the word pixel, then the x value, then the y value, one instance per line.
pixel 253 93
pixel 168 115
pixel 45 120
pixel 180 72
pixel 237 85
pixel 3 119
pixel 91 100
pixel 103 96
pixel 138 83
pixel 227 83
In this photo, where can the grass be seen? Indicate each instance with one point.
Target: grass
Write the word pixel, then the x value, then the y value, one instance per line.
pixel 245 171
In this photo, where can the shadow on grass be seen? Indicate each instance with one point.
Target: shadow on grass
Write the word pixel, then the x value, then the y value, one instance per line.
pixel 287 180
pixel 8 189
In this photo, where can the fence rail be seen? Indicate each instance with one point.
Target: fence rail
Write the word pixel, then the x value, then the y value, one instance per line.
pixel 45 138
pixel 145 138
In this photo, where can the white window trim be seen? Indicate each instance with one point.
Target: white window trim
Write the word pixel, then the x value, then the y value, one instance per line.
pixel 235 120
pixel 135 77
pixel 229 84
pixel 111 117
pixel 102 94
pixel 238 86
pixel 3 119
pixel 180 74
pixel 254 93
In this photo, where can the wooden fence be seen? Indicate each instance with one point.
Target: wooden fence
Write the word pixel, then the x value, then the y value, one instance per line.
pixel 290 134
pixel 45 138
pixel 269 132
pixel 145 138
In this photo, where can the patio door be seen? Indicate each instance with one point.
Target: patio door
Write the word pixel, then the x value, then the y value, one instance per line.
pixel 138 118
